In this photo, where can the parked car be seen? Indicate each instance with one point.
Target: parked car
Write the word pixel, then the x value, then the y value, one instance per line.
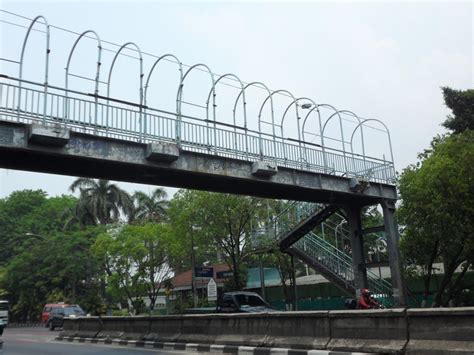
pixel 242 302
pixel 47 310
pixel 58 314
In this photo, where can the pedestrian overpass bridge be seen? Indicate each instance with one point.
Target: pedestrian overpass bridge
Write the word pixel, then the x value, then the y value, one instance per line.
pixel 286 151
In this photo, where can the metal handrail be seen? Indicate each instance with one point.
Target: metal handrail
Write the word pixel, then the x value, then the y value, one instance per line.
pixel 126 122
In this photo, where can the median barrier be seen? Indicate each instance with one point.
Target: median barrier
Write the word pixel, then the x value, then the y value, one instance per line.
pixel 87 327
pixel 381 331
pixel 299 330
pixel 439 331
pixel 165 328
pixel 391 331
pixel 239 329
pixel 197 329
pixel 136 328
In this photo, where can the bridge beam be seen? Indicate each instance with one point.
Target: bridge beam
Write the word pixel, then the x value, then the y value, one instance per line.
pixel 353 214
pixel 393 239
pixel 95 156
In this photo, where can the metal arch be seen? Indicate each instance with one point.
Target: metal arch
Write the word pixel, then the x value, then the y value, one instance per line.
pixel 48 50
pixel 316 107
pixel 273 121
pixel 386 130
pixel 153 68
pixel 298 118
pixel 179 96
pixel 97 75
pixel 338 113
pixel 213 91
pixel 361 131
pixel 141 69
pixel 141 84
pixel 99 56
pixel 242 93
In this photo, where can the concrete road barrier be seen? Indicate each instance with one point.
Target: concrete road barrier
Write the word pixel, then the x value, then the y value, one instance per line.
pixel 298 330
pixel 248 329
pixel 383 331
pixel 165 328
pixel 393 331
pixel 439 331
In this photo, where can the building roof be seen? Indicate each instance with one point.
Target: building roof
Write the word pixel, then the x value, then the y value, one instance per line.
pixel 184 279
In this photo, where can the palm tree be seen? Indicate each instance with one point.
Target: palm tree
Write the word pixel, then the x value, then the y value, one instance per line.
pixel 101 200
pixel 152 207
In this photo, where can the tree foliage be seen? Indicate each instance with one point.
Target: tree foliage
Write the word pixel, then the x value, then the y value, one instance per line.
pixel 136 261
pixel 438 210
pixel 220 225
pixel 150 207
pixel 462 105
pixel 101 201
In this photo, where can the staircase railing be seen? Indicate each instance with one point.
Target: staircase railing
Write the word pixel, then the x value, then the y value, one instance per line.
pixel 334 260
pixel 339 263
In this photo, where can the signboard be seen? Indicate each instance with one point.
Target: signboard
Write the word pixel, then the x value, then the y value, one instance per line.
pixel 224 274
pixel 203 271
pixel 212 290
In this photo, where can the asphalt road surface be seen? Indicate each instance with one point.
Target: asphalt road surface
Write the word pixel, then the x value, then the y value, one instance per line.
pixel 40 341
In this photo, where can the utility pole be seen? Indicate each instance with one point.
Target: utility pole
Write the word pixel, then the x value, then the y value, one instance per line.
pixel 193 271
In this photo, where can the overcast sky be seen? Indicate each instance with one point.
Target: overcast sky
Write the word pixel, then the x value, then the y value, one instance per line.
pixel 384 60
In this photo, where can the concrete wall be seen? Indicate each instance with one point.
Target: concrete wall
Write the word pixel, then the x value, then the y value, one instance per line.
pixel 392 331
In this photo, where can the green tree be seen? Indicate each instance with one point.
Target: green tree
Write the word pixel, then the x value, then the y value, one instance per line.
pixel 221 223
pixel 438 211
pixel 152 207
pixel 462 104
pixel 101 201
pixel 63 268
pixel 136 261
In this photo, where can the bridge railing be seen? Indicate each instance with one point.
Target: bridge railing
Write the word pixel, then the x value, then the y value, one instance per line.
pixel 28 102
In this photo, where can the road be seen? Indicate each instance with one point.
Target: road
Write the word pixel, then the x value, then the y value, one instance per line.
pixel 40 341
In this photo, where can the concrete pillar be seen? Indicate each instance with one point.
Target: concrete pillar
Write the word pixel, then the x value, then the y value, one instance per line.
pixel 393 239
pixel 357 247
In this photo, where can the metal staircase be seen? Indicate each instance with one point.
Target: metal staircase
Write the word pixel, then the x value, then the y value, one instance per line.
pixel 293 229
pixel 335 265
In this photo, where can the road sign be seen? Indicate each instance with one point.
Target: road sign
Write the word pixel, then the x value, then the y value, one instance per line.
pixel 212 290
pixel 203 271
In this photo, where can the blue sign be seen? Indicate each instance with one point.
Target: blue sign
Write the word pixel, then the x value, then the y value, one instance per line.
pixel 203 271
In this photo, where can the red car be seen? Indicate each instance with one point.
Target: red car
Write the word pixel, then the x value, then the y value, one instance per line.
pixel 48 308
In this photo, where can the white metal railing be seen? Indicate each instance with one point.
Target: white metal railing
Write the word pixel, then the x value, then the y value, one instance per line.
pixel 115 118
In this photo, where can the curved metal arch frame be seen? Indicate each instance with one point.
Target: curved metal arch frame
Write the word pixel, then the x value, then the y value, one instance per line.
pixel 99 56
pixel 46 71
pixel 273 121
pixel 242 93
pixel 316 107
pixel 97 75
pixel 338 113
pixel 141 84
pixel 169 55
pixel 179 96
pixel 298 118
pixel 281 126
pixel 361 124
pixel 213 91
pixel 340 125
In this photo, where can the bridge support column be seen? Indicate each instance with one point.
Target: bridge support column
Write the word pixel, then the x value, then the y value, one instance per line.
pixel 357 247
pixel 393 239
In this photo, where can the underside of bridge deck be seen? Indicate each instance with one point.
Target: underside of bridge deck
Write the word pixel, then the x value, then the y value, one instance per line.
pixel 121 160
